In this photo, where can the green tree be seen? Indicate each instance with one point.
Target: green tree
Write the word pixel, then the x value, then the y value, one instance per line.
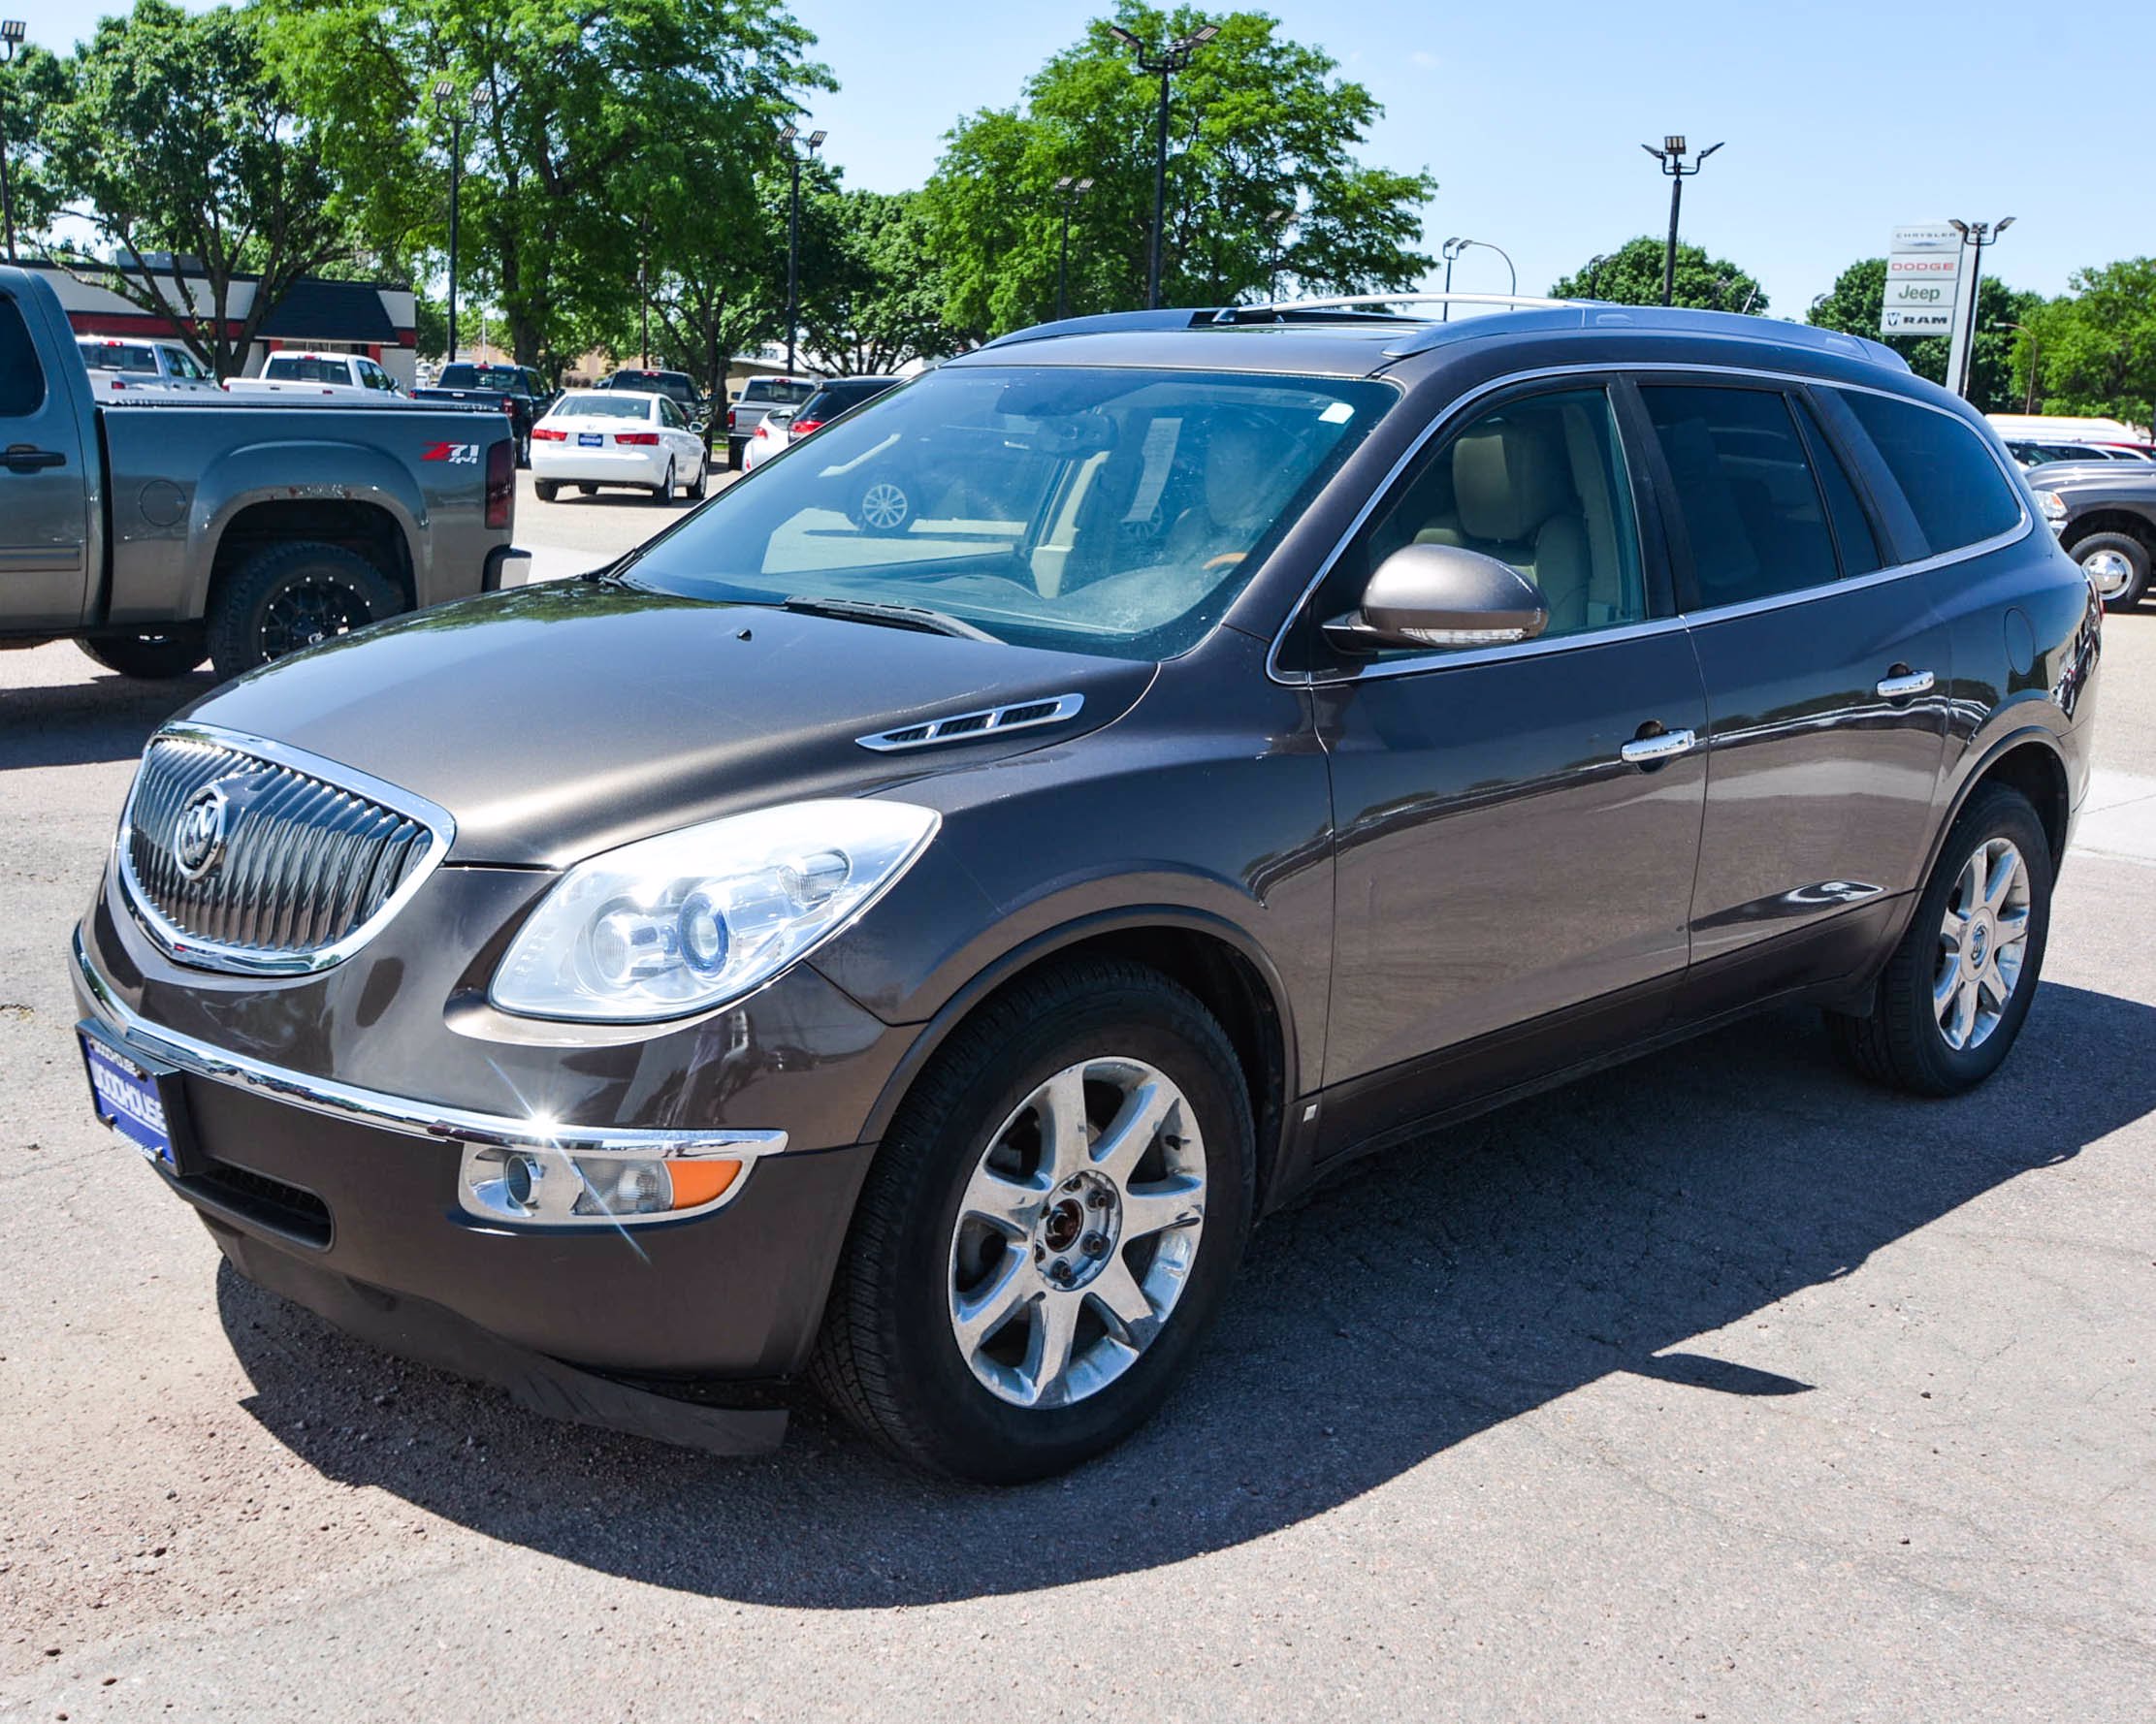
pixel 30 87
pixel 1852 305
pixel 176 137
pixel 1632 275
pixel 2098 344
pixel 1263 185
pixel 882 305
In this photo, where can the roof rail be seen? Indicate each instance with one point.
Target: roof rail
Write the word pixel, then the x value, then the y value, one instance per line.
pixel 1346 301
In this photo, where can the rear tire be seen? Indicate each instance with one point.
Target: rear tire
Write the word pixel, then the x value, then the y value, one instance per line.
pixel 288 598
pixel 546 489
pixel 1143 1236
pixel 664 490
pixel 1937 1024
pixel 701 488
pixel 152 656
pixel 2116 562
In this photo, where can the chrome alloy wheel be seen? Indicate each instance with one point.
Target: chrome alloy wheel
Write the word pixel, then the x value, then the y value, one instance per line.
pixel 1078 1233
pixel 884 506
pixel 1984 939
pixel 2109 570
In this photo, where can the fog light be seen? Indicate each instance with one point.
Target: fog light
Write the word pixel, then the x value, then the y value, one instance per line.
pixel 545 1187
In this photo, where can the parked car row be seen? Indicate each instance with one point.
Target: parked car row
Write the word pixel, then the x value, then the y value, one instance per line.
pixel 918 938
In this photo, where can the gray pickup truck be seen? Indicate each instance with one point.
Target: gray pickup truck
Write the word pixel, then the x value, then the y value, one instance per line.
pixel 169 530
pixel 2105 514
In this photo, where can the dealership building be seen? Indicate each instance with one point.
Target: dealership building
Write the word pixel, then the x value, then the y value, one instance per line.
pixel 321 316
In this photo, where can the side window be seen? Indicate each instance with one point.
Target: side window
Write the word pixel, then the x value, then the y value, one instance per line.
pixel 1537 483
pixel 1956 489
pixel 1853 532
pixel 669 414
pixel 1752 508
pixel 21 378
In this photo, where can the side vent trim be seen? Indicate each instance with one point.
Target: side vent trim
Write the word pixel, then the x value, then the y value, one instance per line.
pixel 1020 714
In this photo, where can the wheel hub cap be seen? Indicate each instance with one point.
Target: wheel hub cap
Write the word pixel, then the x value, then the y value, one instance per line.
pixel 1077 1233
pixel 1984 944
pixel 2109 570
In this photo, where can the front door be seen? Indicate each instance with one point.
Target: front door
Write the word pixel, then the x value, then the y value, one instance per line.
pixel 1826 677
pixel 1516 826
pixel 43 488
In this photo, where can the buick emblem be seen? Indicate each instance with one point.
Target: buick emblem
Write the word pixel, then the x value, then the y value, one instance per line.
pixel 198 842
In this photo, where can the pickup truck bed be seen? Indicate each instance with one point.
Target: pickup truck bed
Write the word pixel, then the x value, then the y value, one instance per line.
pixel 170 528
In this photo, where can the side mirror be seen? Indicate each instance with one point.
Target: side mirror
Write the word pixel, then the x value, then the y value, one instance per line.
pixel 1441 595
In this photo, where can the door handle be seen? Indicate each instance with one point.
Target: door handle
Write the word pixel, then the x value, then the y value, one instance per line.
pixel 24 458
pixel 1903 684
pixel 1665 745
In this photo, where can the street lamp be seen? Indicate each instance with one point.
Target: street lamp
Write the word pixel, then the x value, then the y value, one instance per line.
pixel 2028 399
pixel 1171 59
pixel 456 111
pixel 1455 248
pixel 1072 191
pixel 794 158
pixel 1975 235
pixel 1671 155
pixel 11 38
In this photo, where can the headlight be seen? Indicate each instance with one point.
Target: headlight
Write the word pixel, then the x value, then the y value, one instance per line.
pixel 693 919
pixel 2052 507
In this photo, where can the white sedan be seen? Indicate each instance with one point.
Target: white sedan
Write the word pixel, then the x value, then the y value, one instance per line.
pixel 773 432
pixel 624 437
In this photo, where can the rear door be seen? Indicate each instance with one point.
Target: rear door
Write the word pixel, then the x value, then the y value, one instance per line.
pixel 1827 674
pixel 44 484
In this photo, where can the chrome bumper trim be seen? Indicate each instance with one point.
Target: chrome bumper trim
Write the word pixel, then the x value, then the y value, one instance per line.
pixel 398 1113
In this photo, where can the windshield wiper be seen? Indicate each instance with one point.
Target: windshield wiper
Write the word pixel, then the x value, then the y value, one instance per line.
pixel 889 616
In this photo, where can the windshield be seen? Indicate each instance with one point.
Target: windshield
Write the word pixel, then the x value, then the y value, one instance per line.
pixel 768 392
pixel 467 376
pixel 291 368
pixel 585 404
pixel 1095 510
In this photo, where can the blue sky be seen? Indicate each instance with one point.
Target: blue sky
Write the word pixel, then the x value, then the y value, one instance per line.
pixel 1840 118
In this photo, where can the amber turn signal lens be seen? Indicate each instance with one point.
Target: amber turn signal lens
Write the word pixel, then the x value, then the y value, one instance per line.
pixel 700 1182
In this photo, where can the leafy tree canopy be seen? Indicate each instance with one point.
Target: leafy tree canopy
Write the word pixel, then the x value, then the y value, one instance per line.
pixel 29 87
pixel 1262 186
pixel 176 137
pixel 1632 275
pixel 2097 345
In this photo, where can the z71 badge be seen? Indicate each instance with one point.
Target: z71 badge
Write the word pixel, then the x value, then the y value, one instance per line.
pixel 459 455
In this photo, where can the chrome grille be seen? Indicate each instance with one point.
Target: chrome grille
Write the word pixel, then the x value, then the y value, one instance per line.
pixel 308 864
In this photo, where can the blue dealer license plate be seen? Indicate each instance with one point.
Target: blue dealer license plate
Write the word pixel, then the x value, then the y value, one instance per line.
pixel 130 1098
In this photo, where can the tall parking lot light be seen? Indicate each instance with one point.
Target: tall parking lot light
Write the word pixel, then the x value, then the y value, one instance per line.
pixel 1071 190
pixel 1976 235
pixel 1456 248
pixel 11 33
pixel 1171 59
pixel 794 158
pixel 455 112
pixel 1671 155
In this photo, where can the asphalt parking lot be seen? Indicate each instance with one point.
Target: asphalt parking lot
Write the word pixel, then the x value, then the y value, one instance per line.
pixel 1718 1386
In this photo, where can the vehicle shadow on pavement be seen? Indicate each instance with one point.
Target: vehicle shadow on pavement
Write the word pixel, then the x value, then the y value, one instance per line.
pixel 1438 1291
pixel 103 716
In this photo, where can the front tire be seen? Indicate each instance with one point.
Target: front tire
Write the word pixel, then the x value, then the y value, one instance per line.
pixel 2118 565
pixel 1049 1228
pixel 152 656
pixel 1952 998
pixel 289 597
pixel 884 508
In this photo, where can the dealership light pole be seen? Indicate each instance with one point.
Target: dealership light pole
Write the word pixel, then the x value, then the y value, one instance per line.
pixel 795 159
pixel 1174 58
pixel 1961 358
pixel 1072 190
pixel 2028 399
pixel 456 111
pixel 1671 155
pixel 11 38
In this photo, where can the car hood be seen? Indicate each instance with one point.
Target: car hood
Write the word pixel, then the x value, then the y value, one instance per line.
pixel 2124 475
pixel 555 721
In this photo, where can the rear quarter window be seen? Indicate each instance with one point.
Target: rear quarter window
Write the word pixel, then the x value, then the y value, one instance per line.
pixel 1954 487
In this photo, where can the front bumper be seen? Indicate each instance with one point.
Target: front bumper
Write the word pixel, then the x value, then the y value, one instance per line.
pixel 361 1187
